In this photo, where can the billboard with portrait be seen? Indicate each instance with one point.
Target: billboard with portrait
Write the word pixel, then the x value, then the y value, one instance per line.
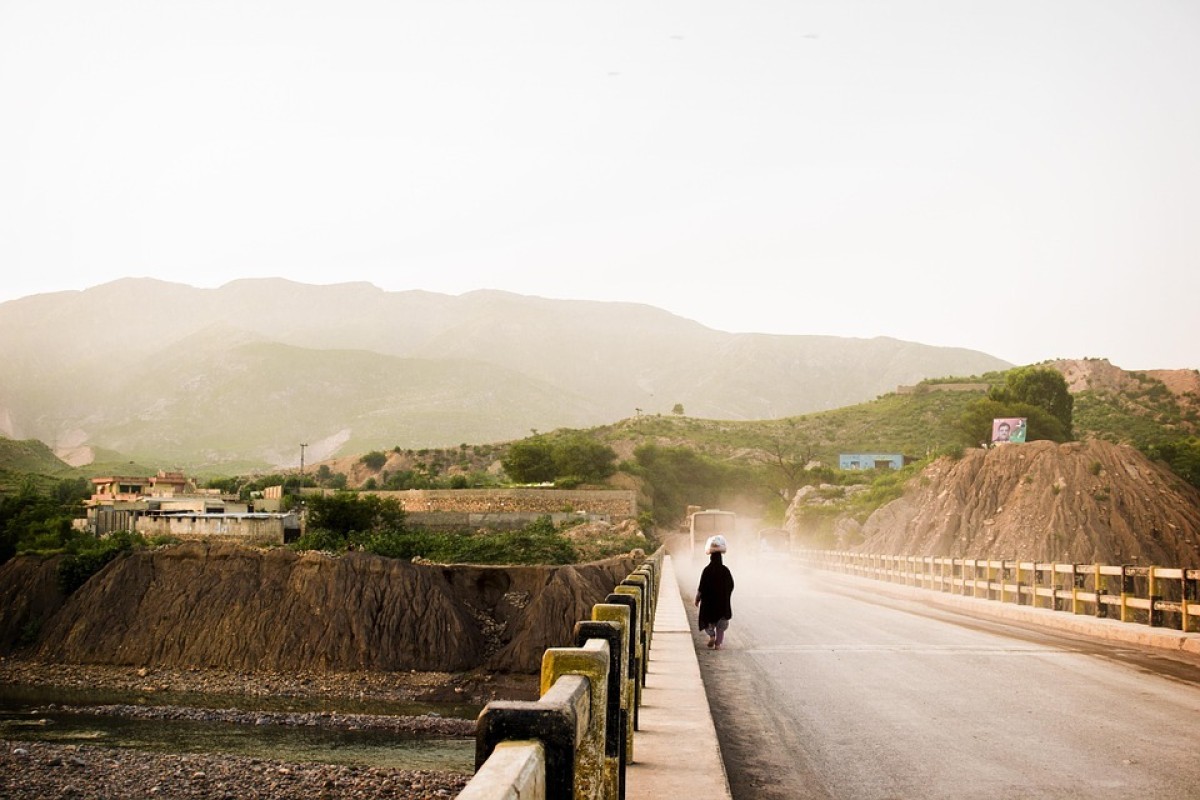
pixel 1008 429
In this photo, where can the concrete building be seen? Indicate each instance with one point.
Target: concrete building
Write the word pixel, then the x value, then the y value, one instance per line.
pixel 873 460
pixel 170 504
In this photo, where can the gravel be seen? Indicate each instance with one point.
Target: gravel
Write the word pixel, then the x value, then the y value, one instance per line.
pixel 36 770
pixel 93 772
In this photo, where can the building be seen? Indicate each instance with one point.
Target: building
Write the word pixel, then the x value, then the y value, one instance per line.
pixel 851 461
pixel 170 504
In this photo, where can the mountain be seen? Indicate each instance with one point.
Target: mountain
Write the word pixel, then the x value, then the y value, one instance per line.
pixel 239 377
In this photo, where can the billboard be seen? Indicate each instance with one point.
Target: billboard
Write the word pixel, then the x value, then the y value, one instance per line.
pixel 1008 429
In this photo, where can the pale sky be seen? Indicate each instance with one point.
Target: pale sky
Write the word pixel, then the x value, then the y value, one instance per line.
pixel 1020 178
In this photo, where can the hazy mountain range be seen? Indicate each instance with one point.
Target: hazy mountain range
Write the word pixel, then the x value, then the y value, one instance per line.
pixel 240 376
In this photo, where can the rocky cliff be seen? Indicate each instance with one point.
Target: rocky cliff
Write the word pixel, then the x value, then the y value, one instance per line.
pixel 225 606
pixel 1082 502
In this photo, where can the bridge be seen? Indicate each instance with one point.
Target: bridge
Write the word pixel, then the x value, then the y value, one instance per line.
pixel 877 679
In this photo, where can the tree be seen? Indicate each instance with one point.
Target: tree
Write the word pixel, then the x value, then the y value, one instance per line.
pixel 583 458
pixel 975 425
pixel 33 520
pixel 575 456
pixel 787 454
pixel 374 459
pixel 1182 456
pixel 1042 387
pixel 677 410
pixel 678 477
pixel 530 461
pixel 346 513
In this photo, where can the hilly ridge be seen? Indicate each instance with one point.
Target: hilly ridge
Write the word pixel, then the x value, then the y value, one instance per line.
pixel 238 377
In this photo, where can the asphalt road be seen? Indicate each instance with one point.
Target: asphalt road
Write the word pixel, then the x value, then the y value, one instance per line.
pixel 826 690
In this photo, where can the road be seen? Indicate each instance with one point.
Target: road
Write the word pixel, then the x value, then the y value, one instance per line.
pixel 826 690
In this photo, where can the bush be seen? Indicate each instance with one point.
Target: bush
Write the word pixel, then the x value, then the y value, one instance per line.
pixel 75 569
pixel 537 543
pixel 374 460
pixel 321 539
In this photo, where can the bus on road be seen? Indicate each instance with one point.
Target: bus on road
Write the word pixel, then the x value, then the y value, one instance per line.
pixel 710 522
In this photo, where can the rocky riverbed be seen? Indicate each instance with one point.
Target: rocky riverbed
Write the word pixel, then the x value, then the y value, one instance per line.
pixel 39 769
pixel 36 770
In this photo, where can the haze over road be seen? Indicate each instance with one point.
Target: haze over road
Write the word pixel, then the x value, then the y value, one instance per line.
pixel 826 691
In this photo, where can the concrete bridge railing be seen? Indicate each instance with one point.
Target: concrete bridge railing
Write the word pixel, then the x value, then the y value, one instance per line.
pixel 1148 595
pixel 576 739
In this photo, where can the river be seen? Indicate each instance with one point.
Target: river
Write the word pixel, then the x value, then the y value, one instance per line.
pixel 202 725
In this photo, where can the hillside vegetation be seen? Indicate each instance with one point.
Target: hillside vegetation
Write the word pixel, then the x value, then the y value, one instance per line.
pixel 755 467
pixel 21 461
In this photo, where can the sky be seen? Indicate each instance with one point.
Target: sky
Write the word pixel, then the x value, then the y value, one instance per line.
pixel 1020 178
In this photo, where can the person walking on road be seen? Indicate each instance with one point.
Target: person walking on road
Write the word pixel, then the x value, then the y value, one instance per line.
pixel 713 594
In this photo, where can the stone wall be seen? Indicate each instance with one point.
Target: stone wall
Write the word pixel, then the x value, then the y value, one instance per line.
pixel 612 504
pixel 251 529
pixel 922 388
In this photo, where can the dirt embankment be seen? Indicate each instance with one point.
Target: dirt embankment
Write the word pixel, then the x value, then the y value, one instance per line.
pixel 221 606
pixel 1082 502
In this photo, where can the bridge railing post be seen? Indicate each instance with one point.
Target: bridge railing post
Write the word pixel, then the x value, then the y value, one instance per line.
pixel 1190 598
pixel 619 608
pixel 613 633
pixel 592 662
pixel 641 590
pixel 1155 614
pixel 558 720
pixel 575 740
pixel 628 595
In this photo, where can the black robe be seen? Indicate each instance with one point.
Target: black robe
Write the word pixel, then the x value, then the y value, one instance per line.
pixel 716 586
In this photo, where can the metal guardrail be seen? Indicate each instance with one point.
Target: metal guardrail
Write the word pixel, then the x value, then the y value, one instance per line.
pixel 576 739
pixel 1154 596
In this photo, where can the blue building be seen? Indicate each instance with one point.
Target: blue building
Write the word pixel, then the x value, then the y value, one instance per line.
pixel 872 460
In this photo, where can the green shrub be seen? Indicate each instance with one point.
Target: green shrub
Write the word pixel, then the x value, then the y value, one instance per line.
pixel 536 543
pixel 93 554
pixel 321 539
pixel 374 459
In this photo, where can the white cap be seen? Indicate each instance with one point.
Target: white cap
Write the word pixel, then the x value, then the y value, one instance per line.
pixel 715 544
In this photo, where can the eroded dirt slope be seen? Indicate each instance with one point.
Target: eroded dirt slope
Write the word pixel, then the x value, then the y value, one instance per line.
pixel 1083 502
pixel 224 606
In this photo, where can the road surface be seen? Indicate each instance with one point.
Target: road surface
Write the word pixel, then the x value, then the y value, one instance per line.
pixel 827 690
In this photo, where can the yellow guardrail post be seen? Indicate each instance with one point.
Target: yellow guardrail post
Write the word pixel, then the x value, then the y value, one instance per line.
pixel 554 720
pixel 1188 592
pixel 592 662
pixel 614 734
pixel 642 585
pixel 1152 593
pixel 639 654
pixel 650 596
pixel 622 614
pixel 1074 589
pixel 575 740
